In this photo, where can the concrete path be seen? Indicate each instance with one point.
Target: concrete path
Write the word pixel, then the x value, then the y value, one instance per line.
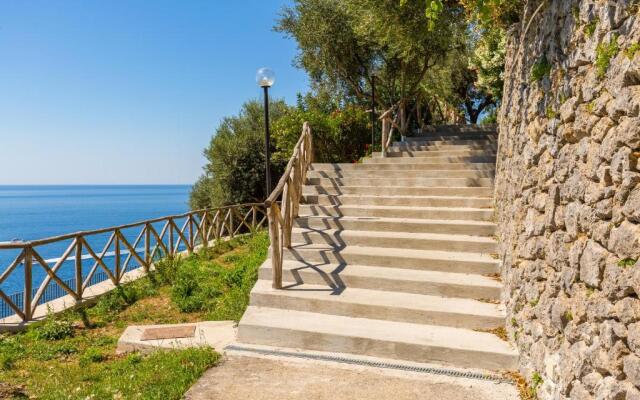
pixel 258 377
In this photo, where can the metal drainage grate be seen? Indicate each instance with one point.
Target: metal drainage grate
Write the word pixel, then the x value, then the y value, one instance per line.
pixel 377 364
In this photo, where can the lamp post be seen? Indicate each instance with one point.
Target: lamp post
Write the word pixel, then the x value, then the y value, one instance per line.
pixel 373 111
pixel 265 78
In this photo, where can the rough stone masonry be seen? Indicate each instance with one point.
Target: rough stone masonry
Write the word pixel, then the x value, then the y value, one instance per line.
pixel 568 197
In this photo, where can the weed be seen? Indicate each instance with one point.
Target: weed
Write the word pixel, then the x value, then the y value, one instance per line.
pixel 568 316
pixel 540 69
pixel 514 322
pixel 534 303
pixel 53 327
pixel 536 382
pixel 551 114
pixel 604 54
pixel 590 28
pixel 575 12
pixel 627 262
pixel 631 51
pixel 92 355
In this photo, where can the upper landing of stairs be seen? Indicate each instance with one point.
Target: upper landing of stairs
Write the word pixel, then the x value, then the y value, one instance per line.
pixel 393 258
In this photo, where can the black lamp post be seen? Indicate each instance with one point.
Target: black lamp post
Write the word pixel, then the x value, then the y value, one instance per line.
pixel 265 78
pixel 373 111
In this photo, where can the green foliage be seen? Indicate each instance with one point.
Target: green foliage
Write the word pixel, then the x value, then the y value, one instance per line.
pixel 341 132
pixel 91 355
pixel 202 283
pixel 366 36
pixel 117 300
pixel 590 28
pixel 632 50
pixel 235 168
pixel 536 382
pixel 53 328
pixel 540 69
pixel 11 350
pixel 604 54
pixel 551 113
pixel 627 262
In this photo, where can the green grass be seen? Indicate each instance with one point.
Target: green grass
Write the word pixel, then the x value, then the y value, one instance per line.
pixel 72 355
pixel 631 51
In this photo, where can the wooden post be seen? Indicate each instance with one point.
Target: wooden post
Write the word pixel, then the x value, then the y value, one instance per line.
pixel 276 249
pixel 79 267
pixel 191 238
pixel 204 236
pixel 147 247
pixel 28 282
pixel 171 249
pixel 253 218
pixel 385 125
pixel 117 256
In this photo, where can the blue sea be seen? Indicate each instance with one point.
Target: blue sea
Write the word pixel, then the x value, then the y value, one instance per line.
pixel 36 212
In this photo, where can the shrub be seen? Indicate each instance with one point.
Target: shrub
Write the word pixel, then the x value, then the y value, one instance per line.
pixel 193 288
pixel 590 28
pixel 53 328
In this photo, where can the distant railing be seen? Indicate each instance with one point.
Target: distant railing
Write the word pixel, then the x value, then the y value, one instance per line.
pixel 289 190
pixel 120 253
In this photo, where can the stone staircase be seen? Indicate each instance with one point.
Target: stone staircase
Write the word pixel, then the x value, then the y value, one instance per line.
pixel 392 258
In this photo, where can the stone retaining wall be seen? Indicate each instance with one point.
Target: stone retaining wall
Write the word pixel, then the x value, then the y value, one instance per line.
pixel 568 198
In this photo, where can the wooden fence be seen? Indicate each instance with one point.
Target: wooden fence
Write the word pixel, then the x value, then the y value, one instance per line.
pixel 289 190
pixel 160 237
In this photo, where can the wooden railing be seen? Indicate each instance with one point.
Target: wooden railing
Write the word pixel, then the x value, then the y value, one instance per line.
pixel 389 123
pixel 289 190
pixel 170 235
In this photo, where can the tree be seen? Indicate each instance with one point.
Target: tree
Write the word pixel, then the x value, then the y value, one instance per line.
pixel 343 42
pixel 235 171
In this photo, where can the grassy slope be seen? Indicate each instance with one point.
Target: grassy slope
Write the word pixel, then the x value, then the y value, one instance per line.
pixel 73 356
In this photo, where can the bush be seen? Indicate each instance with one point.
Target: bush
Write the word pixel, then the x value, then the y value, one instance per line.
pixel 340 132
pixel 53 328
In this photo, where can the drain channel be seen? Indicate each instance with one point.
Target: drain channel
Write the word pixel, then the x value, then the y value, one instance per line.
pixel 377 364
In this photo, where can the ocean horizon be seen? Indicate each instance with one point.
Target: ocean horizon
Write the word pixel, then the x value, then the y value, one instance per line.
pixel 31 212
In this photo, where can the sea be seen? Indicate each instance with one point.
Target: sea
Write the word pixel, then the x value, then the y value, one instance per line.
pixel 36 212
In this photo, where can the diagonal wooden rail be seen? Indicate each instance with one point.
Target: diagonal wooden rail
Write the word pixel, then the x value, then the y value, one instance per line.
pixel 183 232
pixel 289 190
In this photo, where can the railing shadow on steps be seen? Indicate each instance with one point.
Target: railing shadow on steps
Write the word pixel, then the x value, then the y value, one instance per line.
pixel 281 214
pixel 121 253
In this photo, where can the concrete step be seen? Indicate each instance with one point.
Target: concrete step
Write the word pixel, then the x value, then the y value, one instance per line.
pixel 407 182
pixel 403 174
pixel 459 213
pixel 456 129
pixel 436 159
pixel 398 190
pixel 436 153
pixel 444 146
pixel 425 260
pixel 341 276
pixel 452 137
pixel 402 167
pixel 410 201
pixel 397 240
pixel 479 228
pixel 390 339
pixel 376 304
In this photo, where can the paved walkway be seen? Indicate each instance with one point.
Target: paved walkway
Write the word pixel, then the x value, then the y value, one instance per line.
pixel 259 377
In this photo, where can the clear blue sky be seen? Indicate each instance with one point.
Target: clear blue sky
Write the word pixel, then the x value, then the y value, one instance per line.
pixel 128 92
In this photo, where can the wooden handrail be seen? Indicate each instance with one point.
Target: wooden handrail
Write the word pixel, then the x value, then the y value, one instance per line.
pixel 389 122
pixel 289 190
pixel 208 226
